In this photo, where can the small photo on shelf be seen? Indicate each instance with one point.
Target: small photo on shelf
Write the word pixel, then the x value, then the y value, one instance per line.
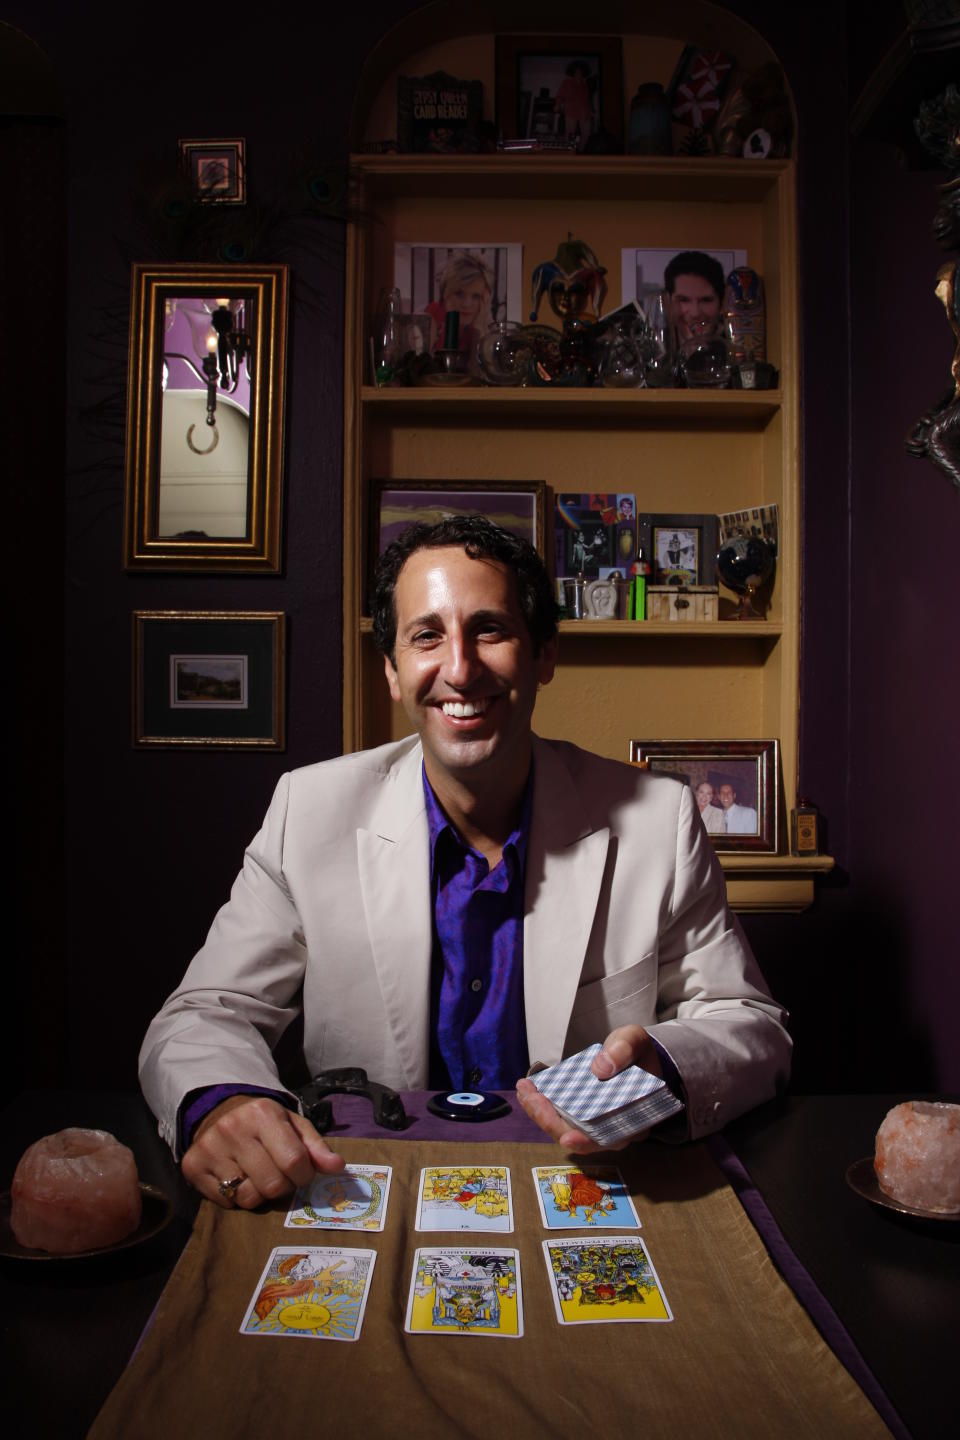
pixel 682 549
pixel 594 533
pixel 694 277
pixel 735 783
pixel 480 285
pixel 561 87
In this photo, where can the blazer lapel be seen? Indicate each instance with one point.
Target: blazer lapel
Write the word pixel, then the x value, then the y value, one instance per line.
pixel 565 866
pixel 393 858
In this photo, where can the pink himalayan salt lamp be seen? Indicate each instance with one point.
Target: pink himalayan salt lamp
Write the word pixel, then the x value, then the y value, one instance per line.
pixel 917 1158
pixel 73 1191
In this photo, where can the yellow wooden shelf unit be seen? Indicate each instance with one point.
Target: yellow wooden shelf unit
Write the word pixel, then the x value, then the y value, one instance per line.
pixel 677 451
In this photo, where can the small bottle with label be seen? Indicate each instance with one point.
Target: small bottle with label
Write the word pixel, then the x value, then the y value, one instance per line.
pixel 804 828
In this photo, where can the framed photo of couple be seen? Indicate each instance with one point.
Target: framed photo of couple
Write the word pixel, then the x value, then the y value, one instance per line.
pixel 735 783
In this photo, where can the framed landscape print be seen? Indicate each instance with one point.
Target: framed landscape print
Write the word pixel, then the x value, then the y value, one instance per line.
pixel 208 679
pixel 517 505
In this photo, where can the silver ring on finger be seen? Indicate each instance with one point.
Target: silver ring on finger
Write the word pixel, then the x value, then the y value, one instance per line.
pixel 228 1188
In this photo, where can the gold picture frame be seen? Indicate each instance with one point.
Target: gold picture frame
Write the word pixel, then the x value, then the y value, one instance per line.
pixel 183 482
pixel 209 679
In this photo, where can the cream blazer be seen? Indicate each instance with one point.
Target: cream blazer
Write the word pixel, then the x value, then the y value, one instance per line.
pixel 625 921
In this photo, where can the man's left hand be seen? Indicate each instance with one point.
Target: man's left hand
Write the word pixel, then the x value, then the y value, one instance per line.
pixel 629 1045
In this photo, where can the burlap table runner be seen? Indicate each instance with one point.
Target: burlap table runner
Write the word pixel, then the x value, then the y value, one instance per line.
pixel 741 1358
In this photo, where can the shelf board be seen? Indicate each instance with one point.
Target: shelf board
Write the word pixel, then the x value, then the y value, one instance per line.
pixel 716 180
pixel 648 629
pixel 677 630
pixel 734 407
pixel 772 882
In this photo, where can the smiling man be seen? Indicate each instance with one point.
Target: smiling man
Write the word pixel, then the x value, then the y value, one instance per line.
pixel 448 908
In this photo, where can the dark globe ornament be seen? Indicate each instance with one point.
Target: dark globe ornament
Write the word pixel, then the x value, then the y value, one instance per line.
pixel 745 564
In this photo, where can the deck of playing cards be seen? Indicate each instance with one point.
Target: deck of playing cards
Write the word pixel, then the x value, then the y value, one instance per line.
pixel 606 1110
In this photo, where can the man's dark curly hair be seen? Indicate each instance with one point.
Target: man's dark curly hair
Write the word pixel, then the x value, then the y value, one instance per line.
pixel 480 539
pixel 695 262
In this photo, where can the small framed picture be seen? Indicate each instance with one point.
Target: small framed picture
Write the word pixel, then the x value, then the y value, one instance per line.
pixel 217 170
pixel 482 283
pixel 680 549
pixel 595 534
pixel 560 87
pixel 210 679
pixel 676 554
pixel 735 783
pixel 516 505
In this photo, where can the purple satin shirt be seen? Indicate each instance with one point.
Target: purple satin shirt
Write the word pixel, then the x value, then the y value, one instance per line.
pixel 478 1033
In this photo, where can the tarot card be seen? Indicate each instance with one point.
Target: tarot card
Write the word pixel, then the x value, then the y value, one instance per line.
pixel 599 1278
pixel 572 1197
pixel 465 1292
pixel 465 1197
pixel 354 1200
pixel 311 1294
pixel 606 1110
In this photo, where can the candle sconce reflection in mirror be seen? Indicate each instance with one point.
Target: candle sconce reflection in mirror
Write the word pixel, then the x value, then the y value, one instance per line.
pixel 205 417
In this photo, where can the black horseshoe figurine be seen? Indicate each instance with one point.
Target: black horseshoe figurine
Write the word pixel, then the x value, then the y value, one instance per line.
pixel 388 1108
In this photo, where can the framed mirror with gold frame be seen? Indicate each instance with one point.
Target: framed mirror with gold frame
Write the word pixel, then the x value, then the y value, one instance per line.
pixel 205 411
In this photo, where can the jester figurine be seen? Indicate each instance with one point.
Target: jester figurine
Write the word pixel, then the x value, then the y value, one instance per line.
pixel 572 281
pixel 575 285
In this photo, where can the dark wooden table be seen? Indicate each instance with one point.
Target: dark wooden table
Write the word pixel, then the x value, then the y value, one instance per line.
pixel 69 1327
pixel 893 1282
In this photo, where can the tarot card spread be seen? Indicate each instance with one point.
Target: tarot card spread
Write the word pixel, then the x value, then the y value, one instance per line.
pixel 571 1197
pixel 598 1278
pixel 353 1200
pixel 311 1294
pixel 465 1292
pixel 465 1197
pixel 606 1110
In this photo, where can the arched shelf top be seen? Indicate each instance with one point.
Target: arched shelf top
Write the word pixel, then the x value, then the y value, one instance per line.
pixel 460 36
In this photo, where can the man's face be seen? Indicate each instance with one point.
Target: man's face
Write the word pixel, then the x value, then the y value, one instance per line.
pixel 465 671
pixel 704 795
pixel 727 796
pixel 693 299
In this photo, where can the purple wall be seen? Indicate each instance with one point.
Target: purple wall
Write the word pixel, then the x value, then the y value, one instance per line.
pixel 153 840
pixel 905 691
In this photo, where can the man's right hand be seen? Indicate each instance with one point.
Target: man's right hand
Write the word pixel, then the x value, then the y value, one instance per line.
pixel 270 1149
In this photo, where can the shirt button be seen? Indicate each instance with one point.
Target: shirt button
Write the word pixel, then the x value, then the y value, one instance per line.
pixel 474 1077
pixel 476 986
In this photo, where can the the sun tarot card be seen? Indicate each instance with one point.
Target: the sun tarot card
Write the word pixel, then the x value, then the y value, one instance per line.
pixel 311 1294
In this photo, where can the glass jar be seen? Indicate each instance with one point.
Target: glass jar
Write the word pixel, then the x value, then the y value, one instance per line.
pixel 503 354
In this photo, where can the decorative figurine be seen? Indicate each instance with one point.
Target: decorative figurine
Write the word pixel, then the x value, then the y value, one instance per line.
pixel 695 93
pixel 937 433
pixel 745 313
pixel 573 281
pixel 756 120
